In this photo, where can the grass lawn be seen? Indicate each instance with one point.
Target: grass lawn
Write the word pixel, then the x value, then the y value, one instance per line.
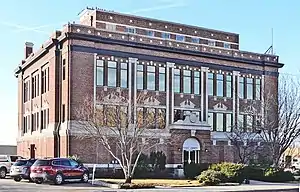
pixel 159 182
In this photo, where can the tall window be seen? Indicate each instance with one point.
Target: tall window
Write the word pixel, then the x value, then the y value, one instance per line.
pixel 179 38
pixel 150 77
pixel 25 124
pixel 112 74
pixel 228 122
pixel 220 85
pixel 100 72
pixel 35 86
pixel 241 121
pixel 210 84
pixel 26 91
pixel 45 79
pixel 140 77
pixel 219 122
pixel 124 75
pixel 176 83
pixel 241 87
pixel 257 89
pixel 197 82
pixel 228 86
pixel 64 69
pixel 165 35
pixel 44 118
pixel 186 81
pixel 250 88
pixel 162 79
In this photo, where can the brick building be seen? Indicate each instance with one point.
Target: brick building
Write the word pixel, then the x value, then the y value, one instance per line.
pixel 204 84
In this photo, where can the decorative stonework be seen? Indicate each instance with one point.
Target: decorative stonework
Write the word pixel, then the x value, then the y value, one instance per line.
pixel 151 101
pixel 187 104
pixel 113 98
pixel 220 107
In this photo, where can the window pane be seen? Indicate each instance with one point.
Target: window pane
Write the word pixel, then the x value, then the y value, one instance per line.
pixel 227 45
pixel 176 84
pixel 197 85
pixel 249 88
pixel 151 69
pixel 151 81
pixel 220 91
pixel 258 87
pixel 210 84
pixel 228 86
pixel 165 35
pixel 162 70
pixel 161 118
pixel 186 81
pixel 123 65
pixel 211 43
pixel 196 74
pixel 210 120
pixel 240 121
pixel 99 63
pixel 179 38
pixel 112 64
pixel 195 40
pixel 99 75
pixel 219 122
pixel 124 78
pixel 228 122
pixel 162 86
pixel 150 33
pixel 241 87
pixel 140 67
pixel 140 80
pixel 176 71
pixel 112 77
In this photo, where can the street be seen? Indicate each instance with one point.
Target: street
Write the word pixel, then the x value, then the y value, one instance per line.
pixel 9 185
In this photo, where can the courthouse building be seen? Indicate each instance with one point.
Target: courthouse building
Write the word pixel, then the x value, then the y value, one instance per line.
pixel 198 81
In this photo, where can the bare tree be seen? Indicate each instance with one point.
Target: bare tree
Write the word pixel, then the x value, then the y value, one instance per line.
pixel 111 122
pixel 246 142
pixel 281 126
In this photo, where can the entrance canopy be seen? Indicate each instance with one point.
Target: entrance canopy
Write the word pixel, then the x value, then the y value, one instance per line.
pixel 191 144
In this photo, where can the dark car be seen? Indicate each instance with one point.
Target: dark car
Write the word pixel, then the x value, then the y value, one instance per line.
pixel 21 169
pixel 58 170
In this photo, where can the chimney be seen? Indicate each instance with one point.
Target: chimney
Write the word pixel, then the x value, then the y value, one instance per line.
pixel 28 49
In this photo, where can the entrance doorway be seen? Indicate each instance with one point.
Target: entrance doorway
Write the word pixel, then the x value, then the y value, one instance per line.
pixel 32 151
pixel 191 151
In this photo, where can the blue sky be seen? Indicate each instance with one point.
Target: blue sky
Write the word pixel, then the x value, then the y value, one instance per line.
pixel 34 20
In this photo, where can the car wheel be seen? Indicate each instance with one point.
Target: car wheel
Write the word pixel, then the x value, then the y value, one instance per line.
pixel 59 179
pixel 17 179
pixel 3 173
pixel 85 177
pixel 39 181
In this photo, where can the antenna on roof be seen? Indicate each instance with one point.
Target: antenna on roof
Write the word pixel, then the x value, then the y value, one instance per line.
pixel 270 50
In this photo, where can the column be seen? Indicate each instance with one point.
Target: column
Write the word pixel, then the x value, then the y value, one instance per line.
pixel 235 95
pixel 132 73
pixel 169 66
pixel 204 94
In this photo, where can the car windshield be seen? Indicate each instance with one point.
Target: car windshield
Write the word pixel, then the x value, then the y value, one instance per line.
pixel 20 163
pixel 42 163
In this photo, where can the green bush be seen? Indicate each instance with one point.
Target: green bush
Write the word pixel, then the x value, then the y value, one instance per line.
pixel 192 170
pixel 254 173
pixel 210 177
pixel 233 172
pixel 273 174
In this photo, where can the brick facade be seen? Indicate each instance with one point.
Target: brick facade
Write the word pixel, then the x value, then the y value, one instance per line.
pixel 72 55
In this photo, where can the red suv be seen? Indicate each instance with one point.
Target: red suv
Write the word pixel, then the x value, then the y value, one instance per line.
pixel 58 170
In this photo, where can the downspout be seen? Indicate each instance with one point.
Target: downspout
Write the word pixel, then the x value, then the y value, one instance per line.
pixel 59 66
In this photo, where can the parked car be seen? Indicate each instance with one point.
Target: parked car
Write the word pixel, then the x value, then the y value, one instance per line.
pixel 21 169
pixel 6 161
pixel 58 170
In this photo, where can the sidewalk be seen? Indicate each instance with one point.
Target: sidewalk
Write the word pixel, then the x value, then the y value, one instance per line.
pixel 253 186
